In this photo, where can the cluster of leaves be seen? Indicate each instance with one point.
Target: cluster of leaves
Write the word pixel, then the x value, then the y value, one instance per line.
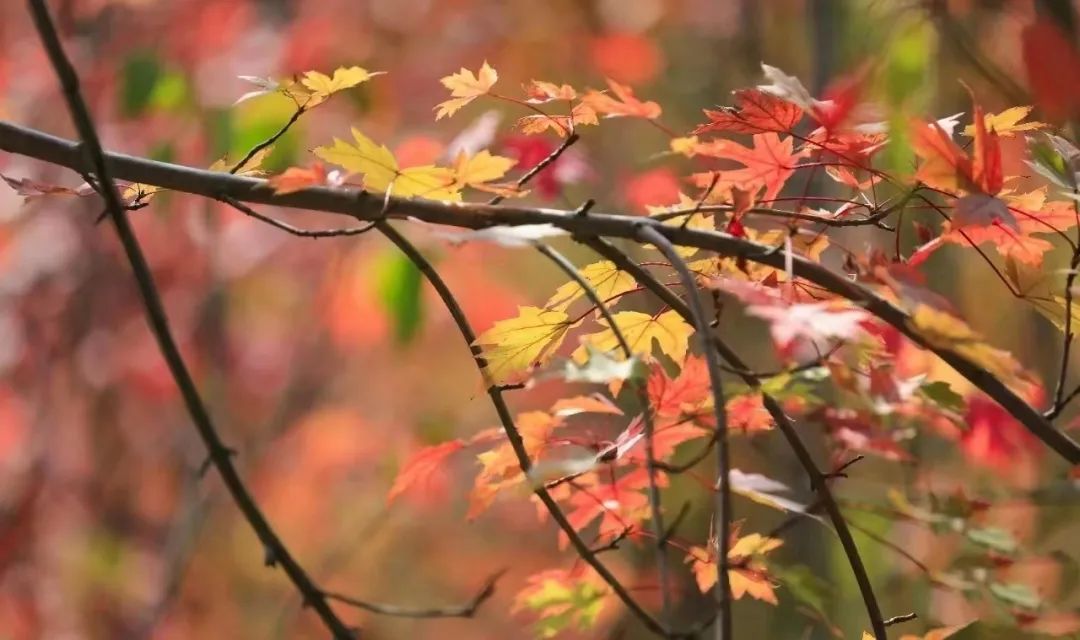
pixel 871 389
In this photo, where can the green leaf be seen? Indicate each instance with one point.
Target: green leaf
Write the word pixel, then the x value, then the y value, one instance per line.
pixel 138 79
pixel 940 393
pixel 399 293
pixel 1017 594
pixel 993 538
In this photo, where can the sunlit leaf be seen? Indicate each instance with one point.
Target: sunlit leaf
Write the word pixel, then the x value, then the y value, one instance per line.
pixel 465 87
pixel 670 332
pixel 511 347
pixel 604 277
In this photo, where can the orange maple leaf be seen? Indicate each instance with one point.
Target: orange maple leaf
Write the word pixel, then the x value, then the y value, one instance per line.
pixel 465 87
pixel 623 104
pixel 768 163
pixel 422 467
pixel 754 112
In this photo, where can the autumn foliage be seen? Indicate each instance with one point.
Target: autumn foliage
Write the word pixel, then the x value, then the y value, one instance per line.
pixel 805 367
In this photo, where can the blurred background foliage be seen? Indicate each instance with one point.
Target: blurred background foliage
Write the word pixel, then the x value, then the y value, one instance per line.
pixel 328 362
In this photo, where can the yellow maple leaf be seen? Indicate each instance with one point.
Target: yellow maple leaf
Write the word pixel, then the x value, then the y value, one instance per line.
pixel 668 329
pixel 380 169
pixel 321 84
pixel 483 167
pixel 251 168
pixel 465 87
pixel 945 331
pixel 560 124
pixel 686 146
pixel 749 578
pixel 512 346
pixel 1007 122
pixel 606 279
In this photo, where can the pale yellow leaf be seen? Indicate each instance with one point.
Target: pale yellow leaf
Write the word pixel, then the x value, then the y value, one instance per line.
pixel 607 280
pixel 465 86
pixel 480 168
pixel 511 347
pixel 343 78
pixel 945 331
pixel 380 170
pixel 1007 122
pixel 668 329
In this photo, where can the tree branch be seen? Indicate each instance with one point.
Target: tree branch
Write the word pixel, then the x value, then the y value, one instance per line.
pixel 723 454
pixel 466 610
pixel 353 203
pixel 646 415
pixel 512 433
pixel 817 477
pixel 159 324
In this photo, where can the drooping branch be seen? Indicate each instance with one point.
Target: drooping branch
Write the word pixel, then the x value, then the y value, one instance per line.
pixel 723 454
pixel 353 203
pixel 648 421
pixel 817 477
pixel 276 551
pixel 517 443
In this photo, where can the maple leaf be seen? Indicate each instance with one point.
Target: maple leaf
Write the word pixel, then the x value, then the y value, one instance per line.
pixel 322 86
pixel 524 235
pixel 512 346
pixel 769 163
pixel 474 171
pixel 754 112
pixel 604 277
pixel 683 394
pixel 561 124
pixel 1041 291
pixel 595 403
pixel 251 168
pixel 500 468
pixel 750 578
pixel 785 87
pixel 617 503
pixel 946 331
pixel 668 329
pixel 422 466
pixel 747 412
pixel 1007 122
pixel 539 92
pixel 624 104
pixel 296 179
pixel 380 170
pixel 562 599
pixel 31 189
pixel 465 87
pixel 813 328
pixel 265 86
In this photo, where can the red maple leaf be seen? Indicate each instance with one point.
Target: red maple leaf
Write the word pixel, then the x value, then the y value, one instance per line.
pixel 754 112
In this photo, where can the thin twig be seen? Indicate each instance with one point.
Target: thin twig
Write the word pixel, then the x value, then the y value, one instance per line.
pixel 300 110
pixel 296 231
pixel 466 610
pixel 723 457
pixel 540 166
pixel 159 324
